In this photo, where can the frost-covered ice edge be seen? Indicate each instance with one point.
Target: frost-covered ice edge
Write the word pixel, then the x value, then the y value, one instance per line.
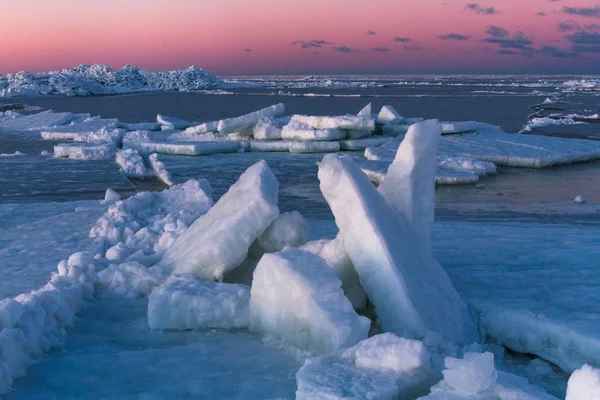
pixel 136 253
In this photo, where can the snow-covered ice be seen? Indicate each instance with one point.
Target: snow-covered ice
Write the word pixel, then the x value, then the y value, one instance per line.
pixel 357 122
pixel 37 121
pixel 203 128
pixel 160 170
pixel 111 195
pixel 382 367
pixel 219 241
pixel 85 151
pixel 298 131
pixel 411 293
pixel 132 164
pixel 270 145
pixel 361 144
pixel 297 297
pixel 247 121
pixel 187 302
pixel 187 148
pixel 409 186
pixel 267 130
pixel 80 130
pixel 388 115
pixel 169 123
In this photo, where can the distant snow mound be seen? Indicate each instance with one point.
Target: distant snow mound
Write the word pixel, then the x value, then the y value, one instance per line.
pixel 97 79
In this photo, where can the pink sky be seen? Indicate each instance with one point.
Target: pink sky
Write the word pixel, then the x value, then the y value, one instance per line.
pixel 215 35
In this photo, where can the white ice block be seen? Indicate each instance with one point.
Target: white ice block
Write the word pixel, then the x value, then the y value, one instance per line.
pixel 357 122
pixel 289 229
pixel 302 133
pixel 296 296
pixel 84 151
pixel 267 130
pixel 219 240
pixel 170 123
pixel 411 292
pixel 186 302
pixel 451 177
pixel 409 186
pixel 584 384
pixel 357 134
pixel 466 164
pixel 314 147
pixel 247 121
pixel 361 144
pixel 79 131
pixel 459 127
pixel 270 145
pixel 335 255
pixel 188 148
pixel 388 115
pixel 382 367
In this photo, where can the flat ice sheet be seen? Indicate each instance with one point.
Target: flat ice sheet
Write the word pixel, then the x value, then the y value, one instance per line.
pixel 189 148
pixel 36 236
pixel 533 285
pixel 30 176
pixel 112 354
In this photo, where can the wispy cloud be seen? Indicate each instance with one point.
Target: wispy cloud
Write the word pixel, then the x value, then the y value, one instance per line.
pixel 381 49
pixel 585 41
pixel 412 47
pixel 402 39
pixel 345 49
pixel 307 44
pixel 496 32
pixel 370 32
pixel 552 51
pixel 454 36
pixel 478 9
pixel 583 11
pixel 541 14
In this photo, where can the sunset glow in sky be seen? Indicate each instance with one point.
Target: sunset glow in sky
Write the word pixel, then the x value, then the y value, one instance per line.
pixel 304 36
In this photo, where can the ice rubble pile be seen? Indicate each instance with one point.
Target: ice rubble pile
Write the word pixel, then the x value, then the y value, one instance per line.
pixel 86 80
pixel 174 244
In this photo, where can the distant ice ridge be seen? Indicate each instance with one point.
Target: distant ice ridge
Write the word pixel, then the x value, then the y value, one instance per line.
pixel 86 80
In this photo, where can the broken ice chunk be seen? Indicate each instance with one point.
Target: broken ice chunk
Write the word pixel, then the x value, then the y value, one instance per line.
pixel 357 122
pixel 411 292
pixel 289 229
pixel 584 384
pixel 409 186
pixel 314 147
pixel 388 115
pixel 219 240
pixel 186 302
pixel 267 130
pixel 296 296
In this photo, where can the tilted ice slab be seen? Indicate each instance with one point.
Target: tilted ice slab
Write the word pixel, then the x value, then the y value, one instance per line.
pixel 466 164
pixel 382 367
pixel 335 255
pixel 132 164
pixel 247 121
pixel 41 120
pixel 475 377
pixel 297 297
pixel 289 229
pixel 85 151
pixel 203 128
pixel 411 293
pixel 335 122
pixel 361 144
pixel 388 115
pixel 541 298
pixel 409 186
pixel 219 240
pixel 187 148
pixel 79 131
pixel 314 147
pixel 169 123
pixel 160 170
pixel 186 302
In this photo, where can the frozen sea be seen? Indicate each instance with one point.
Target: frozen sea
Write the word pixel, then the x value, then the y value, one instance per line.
pixel 515 242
